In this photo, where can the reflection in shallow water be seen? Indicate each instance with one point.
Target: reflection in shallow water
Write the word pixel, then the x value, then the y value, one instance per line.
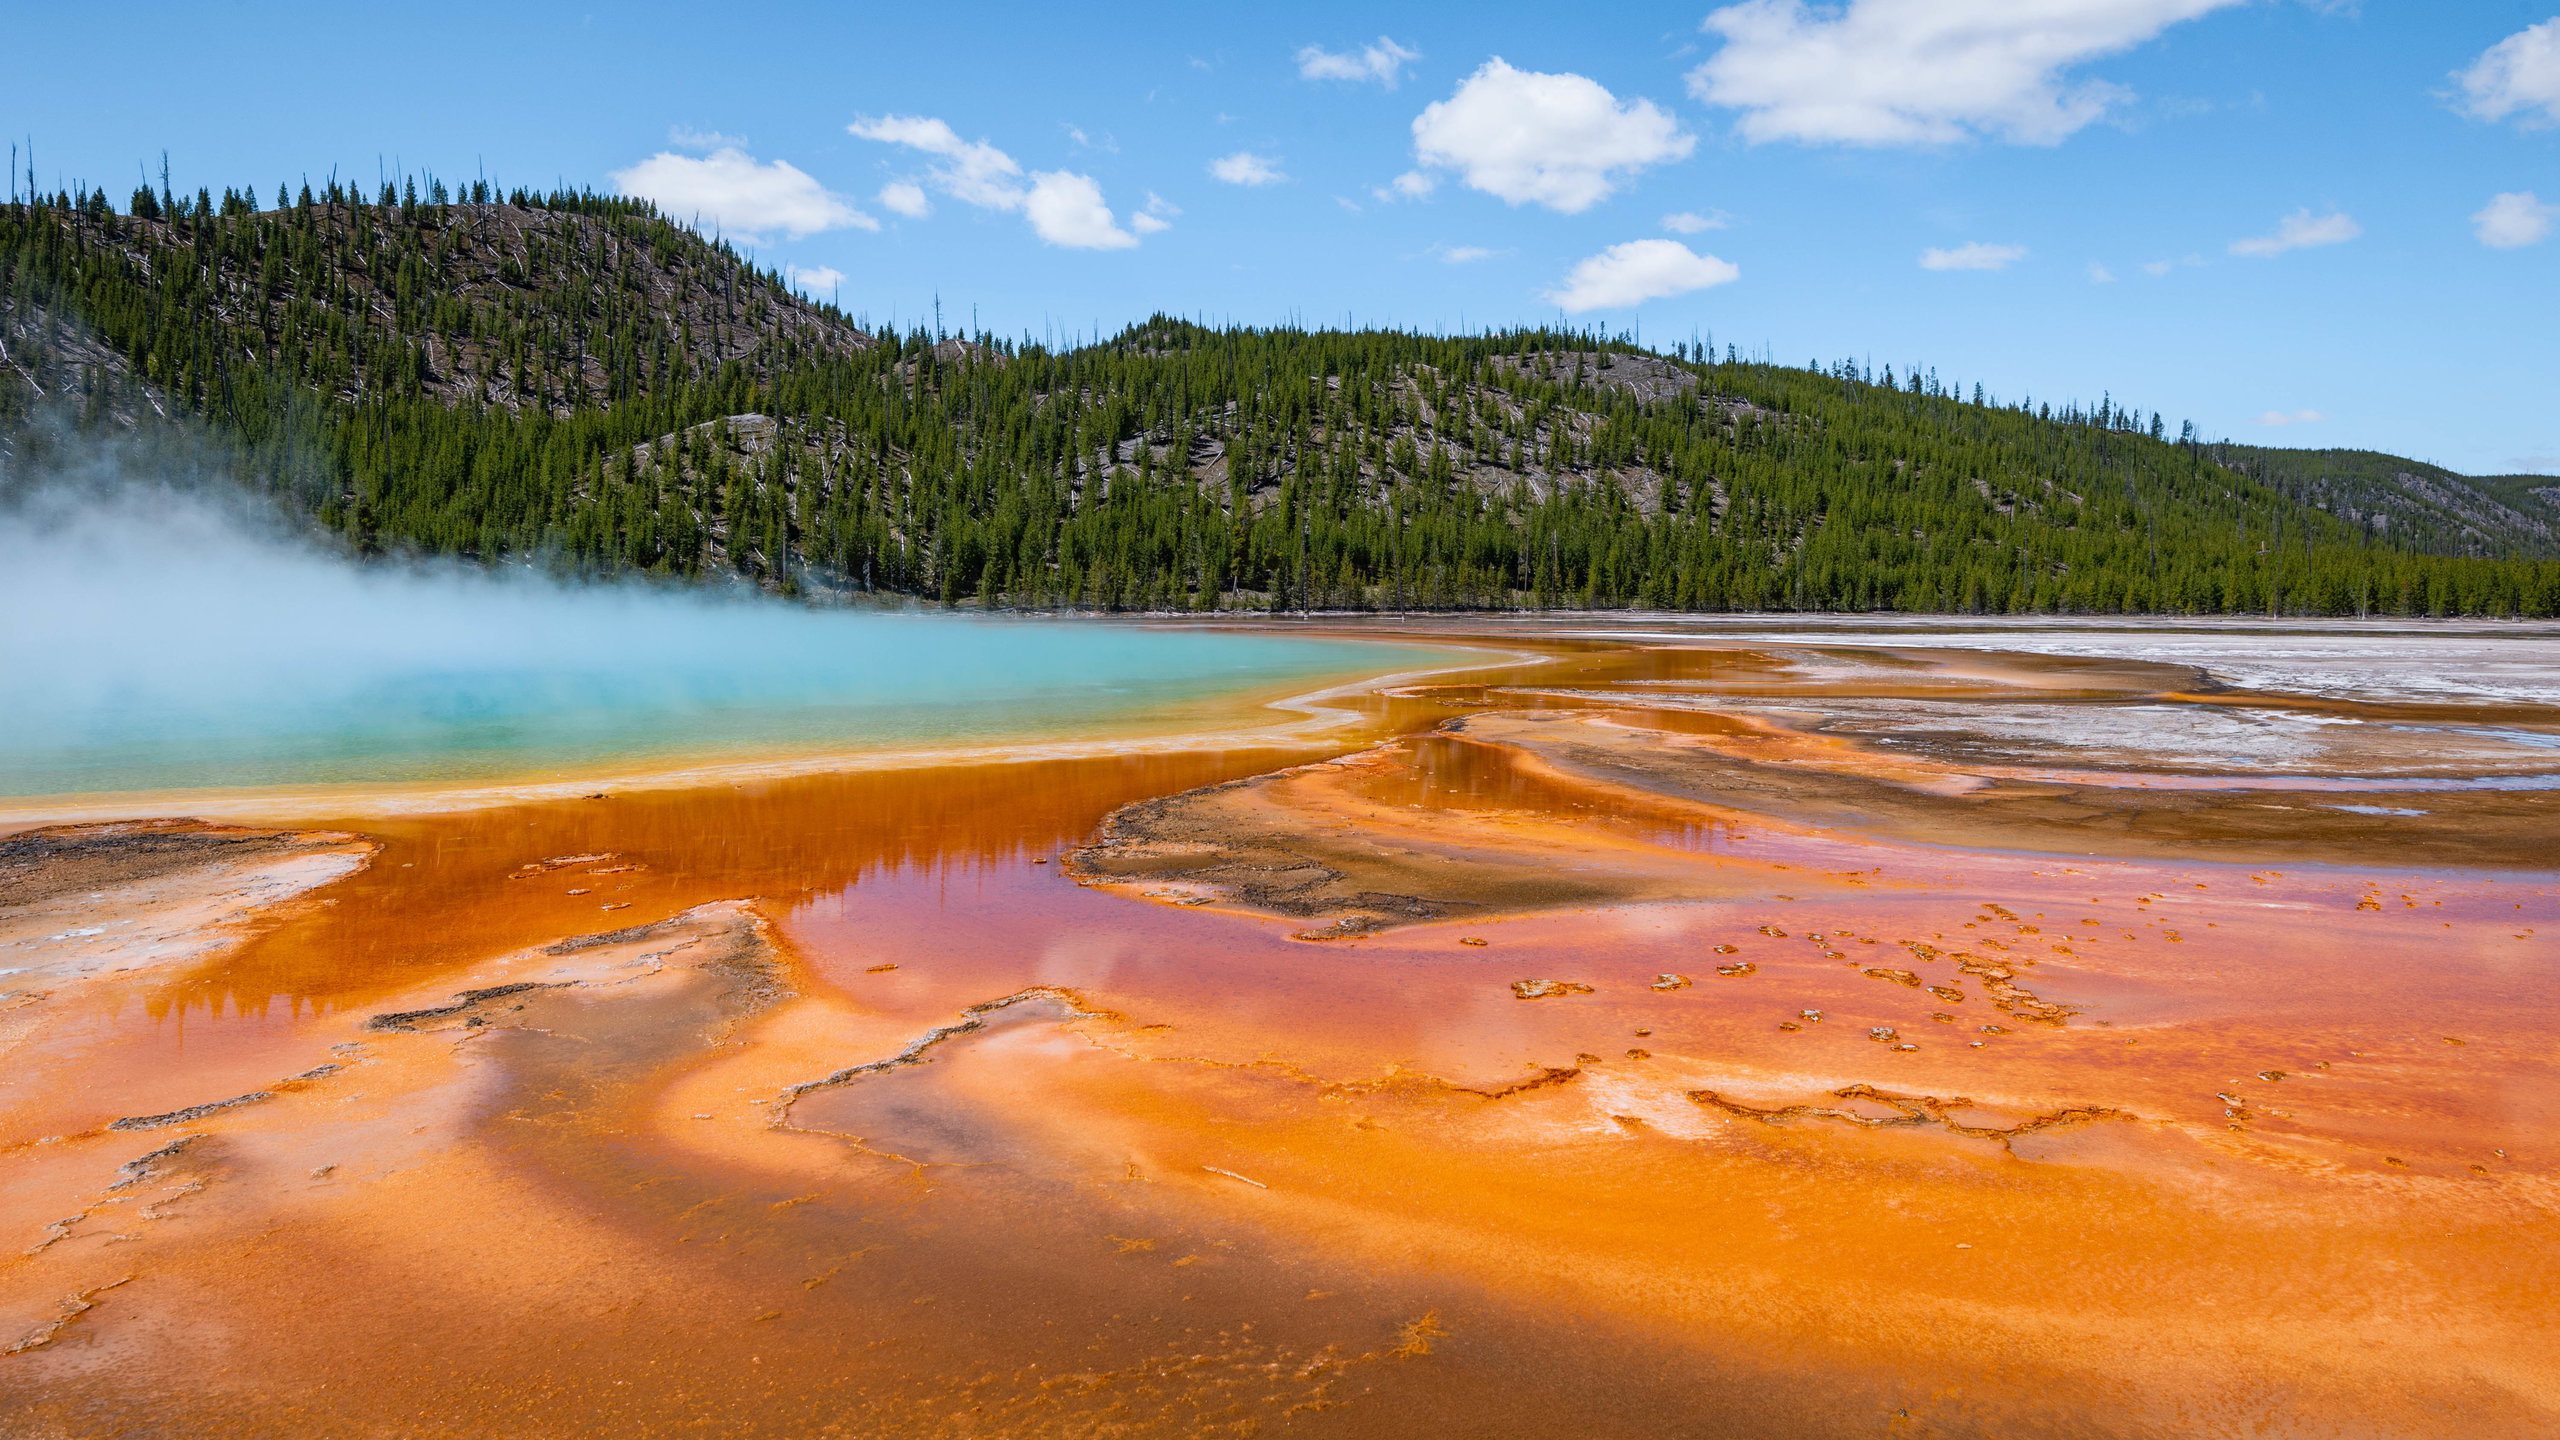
pixel 1963 1117
pixel 448 889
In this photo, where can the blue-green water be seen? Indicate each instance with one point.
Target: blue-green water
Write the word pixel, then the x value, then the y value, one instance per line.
pixel 175 650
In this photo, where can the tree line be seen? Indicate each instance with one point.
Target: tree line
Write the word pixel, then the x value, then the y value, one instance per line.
pixel 573 379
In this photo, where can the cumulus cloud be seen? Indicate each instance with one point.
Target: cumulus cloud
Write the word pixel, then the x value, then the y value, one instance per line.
pixel 2300 230
pixel 1561 141
pixel 2519 75
pixel 1246 168
pixel 2100 274
pixel 906 198
pixel 1637 271
pixel 1459 254
pixel 1973 255
pixel 2298 417
pixel 815 279
pixel 971 171
pixel 1411 185
pixel 1157 217
pixel 1923 72
pixel 2513 220
pixel 1382 62
pixel 1688 223
pixel 1064 208
pixel 727 190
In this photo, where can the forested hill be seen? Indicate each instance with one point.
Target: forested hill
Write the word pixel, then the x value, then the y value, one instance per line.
pixel 571 378
pixel 2423 506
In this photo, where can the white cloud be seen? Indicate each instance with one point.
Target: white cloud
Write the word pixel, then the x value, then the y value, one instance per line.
pixel 1637 271
pixel 1561 141
pixel 1923 72
pixel 1459 254
pixel 1246 168
pixel 1381 62
pixel 906 198
pixel 2512 220
pixel 2158 267
pixel 727 190
pixel 1411 185
pixel 1973 255
pixel 2100 274
pixel 816 280
pixel 2300 230
pixel 973 172
pixel 2298 417
pixel 1688 223
pixel 1157 217
pixel 685 137
pixel 1066 209
pixel 2518 75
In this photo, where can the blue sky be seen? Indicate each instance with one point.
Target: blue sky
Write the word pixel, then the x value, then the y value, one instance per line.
pixel 2235 211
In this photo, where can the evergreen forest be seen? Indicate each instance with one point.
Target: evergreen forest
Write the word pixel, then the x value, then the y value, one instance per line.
pixel 572 380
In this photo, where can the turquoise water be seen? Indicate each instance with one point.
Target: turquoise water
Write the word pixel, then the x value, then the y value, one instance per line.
pixel 178 649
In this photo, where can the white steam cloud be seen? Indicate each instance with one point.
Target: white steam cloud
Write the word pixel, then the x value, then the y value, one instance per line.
pixel 159 639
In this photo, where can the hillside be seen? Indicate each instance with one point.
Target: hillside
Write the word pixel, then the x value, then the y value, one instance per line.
pixel 572 378
pixel 2424 507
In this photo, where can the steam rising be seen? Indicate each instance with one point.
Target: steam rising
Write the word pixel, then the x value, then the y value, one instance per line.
pixel 157 638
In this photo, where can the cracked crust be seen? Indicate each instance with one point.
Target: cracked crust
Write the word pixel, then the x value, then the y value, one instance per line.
pixel 1871 1108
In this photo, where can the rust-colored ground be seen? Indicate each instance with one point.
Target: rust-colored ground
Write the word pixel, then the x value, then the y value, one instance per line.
pixel 1686 1040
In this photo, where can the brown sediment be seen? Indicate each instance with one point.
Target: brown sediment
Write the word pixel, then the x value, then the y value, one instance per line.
pixel 1407 833
pixel 1503 812
pixel 45 862
pixel 972 1019
pixel 1999 981
pixel 96 916
pixel 72 1307
pixel 192 1112
pixel 871 1123
pixel 138 1169
pixel 1885 1108
pixel 1547 989
pixel 1842 786
pixel 468 1003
